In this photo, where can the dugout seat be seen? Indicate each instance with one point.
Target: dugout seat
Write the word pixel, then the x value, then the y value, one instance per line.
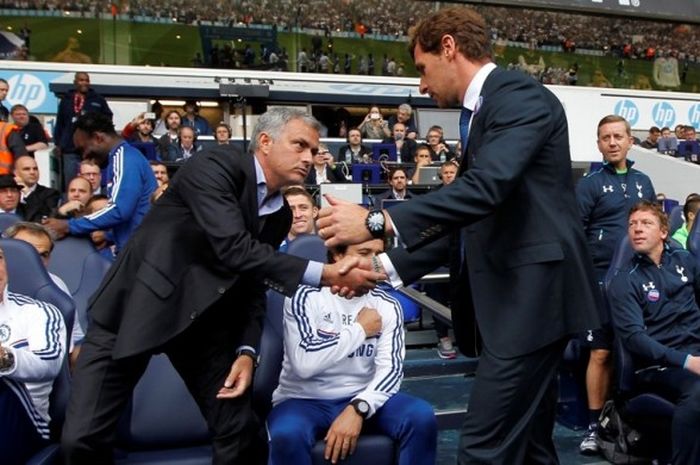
pixel 675 219
pixel 7 220
pixel 374 449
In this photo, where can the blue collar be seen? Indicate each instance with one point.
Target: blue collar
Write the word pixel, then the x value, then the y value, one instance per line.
pixel 268 203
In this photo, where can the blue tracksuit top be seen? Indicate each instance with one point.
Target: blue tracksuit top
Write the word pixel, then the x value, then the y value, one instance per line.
pixel 654 309
pixel 130 187
pixel 604 200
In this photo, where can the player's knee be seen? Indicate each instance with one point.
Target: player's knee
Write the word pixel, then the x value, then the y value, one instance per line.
pixel 421 418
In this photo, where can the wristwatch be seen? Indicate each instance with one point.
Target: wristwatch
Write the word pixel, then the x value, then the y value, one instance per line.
pixel 7 360
pixel 251 354
pixel 361 407
pixel 375 223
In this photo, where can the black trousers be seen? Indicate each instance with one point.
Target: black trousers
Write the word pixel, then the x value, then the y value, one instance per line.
pixel 202 355
pixel 682 388
pixel 512 407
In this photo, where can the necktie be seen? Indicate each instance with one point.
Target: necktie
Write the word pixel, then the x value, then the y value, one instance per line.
pixel 464 118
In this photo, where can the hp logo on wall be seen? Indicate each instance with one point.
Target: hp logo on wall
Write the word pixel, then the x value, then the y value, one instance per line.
pixel 26 89
pixel 663 114
pixel 694 115
pixel 628 110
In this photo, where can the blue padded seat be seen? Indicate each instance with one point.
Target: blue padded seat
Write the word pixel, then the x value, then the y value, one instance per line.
pixel 371 449
pixel 675 219
pixel 7 220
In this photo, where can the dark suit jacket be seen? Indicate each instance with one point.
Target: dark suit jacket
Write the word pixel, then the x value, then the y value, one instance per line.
pixel 527 277
pixel 41 202
pixel 408 149
pixel 200 245
pixel 334 175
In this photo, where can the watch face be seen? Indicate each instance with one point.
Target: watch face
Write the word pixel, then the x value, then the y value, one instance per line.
pixel 375 221
pixel 363 406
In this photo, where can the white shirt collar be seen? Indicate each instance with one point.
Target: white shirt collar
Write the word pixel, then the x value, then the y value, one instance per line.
pixel 471 97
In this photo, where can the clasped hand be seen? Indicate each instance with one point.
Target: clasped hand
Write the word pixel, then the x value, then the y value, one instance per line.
pixel 352 276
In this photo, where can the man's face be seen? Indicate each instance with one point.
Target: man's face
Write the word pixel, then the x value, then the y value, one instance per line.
pixel 399 131
pixel 354 137
pixel 367 249
pixel 422 156
pixel 4 89
pixel 403 115
pixel 40 242
pixel 434 80
pixel 645 233
pixel 398 181
pixel 92 173
pixel 27 170
pixel 161 174
pixel 303 214
pixel 9 198
pixel 690 134
pixel 289 158
pixel 82 82
pixel 79 189
pixel 173 120
pixel 3 271
pixel 222 134
pixel 449 173
pixel 92 147
pixel 433 138
pixel 666 133
pixel 145 127
pixel 654 136
pixel 20 116
pixel 614 142
pixel 186 138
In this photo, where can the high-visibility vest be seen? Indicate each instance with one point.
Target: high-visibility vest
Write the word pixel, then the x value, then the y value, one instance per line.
pixel 6 157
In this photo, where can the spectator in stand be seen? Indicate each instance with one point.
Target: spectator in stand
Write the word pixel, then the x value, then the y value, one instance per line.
pixel 132 182
pixel 652 139
pixel 193 120
pixel 690 133
pixel 9 194
pixel 11 146
pixel 439 150
pixel 4 89
pixel 30 129
pixel 90 171
pixel 374 126
pixel 354 151
pixel 223 134
pixel 324 169
pixel 679 130
pixel 404 115
pixel 304 213
pixel 37 201
pixel 139 129
pixel 160 171
pixel 405 148
pixel 78 194
pixel 667 143
pixel 690 212
pixel 398 191
pixel 32 349
pixel 421 158
pixel 185 146
pixel 448 171
pixel 173 121
pixel 77 102
pixel 159 127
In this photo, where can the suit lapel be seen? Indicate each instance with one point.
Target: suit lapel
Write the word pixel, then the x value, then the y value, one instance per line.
pixel 249 196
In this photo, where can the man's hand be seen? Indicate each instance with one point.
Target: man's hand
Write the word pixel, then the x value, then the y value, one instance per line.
pixel 693 364
pixel 370 320
pixel 344 223
pixel 341 439
pixel 239 379
pixel 351 276
pixel 69 207
pixel 58 227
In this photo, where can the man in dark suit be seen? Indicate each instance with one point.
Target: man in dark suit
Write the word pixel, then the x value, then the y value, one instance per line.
pixel 398 191
pixel 508 224
pixel 37 201
pixel 405 148
pixel 191 282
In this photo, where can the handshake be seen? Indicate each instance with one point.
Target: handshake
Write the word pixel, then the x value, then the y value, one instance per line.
pixel 351 276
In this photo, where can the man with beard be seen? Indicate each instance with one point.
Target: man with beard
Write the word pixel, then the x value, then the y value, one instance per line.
pixel 131 181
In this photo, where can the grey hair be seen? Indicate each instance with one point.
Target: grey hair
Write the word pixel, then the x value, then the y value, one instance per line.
pixel 407 107
pixel 273 121
pixel 32 228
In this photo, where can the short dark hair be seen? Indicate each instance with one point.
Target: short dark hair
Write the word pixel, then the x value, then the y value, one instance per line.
pixel 471 34
pixel 394 171
pixel 654 130
pixel 655 209
pixel 92 123
pixel 18 106
pixel 692 205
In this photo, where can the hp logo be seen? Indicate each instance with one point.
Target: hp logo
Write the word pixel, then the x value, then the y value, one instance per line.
pixel 663 114
pixel 26 89
pixel 628 110
pixel 694 115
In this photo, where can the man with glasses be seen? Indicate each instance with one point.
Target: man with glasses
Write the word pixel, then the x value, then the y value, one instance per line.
pixel 90 171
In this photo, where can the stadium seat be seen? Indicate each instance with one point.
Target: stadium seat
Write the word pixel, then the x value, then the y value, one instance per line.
pixel 162 424
pixel 693 244
pixel 27 275
pixel 82 268
pixel 374 449
pixel 675 219
pixel 7 220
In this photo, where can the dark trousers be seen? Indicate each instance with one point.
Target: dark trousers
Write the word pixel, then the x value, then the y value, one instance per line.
pixel 511 411
pixel 202 355
pixel 682 388
pixel 19 439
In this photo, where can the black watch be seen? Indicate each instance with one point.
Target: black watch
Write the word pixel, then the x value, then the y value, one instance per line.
pixel 251 354
pixel 361 407
pixel 375 224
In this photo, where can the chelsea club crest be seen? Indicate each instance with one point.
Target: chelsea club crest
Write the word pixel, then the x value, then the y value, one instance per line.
pixel 4 333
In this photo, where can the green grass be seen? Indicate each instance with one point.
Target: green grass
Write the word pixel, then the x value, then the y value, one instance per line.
pixel 159 45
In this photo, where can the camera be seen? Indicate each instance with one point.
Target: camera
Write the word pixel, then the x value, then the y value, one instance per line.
pixel 149 115
pixel 374 116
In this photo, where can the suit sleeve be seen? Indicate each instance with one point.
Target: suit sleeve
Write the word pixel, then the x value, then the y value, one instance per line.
pixel 388 361
pixel 311 347
pixel 212 195
pixel 523 113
